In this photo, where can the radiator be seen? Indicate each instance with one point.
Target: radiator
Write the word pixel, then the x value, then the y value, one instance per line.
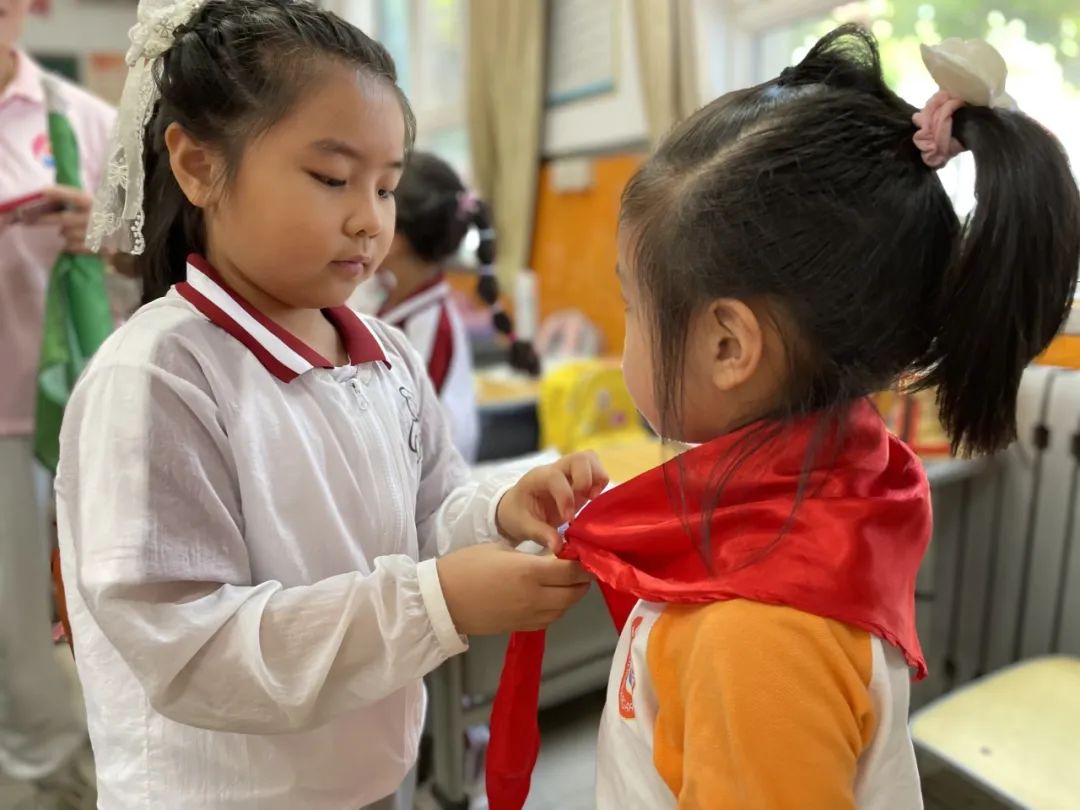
pixel 1002 579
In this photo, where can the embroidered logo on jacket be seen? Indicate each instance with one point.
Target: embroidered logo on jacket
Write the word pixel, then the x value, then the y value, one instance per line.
pixel 414 427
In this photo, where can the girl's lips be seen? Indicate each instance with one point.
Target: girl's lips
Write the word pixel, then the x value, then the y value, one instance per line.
pixel 353 267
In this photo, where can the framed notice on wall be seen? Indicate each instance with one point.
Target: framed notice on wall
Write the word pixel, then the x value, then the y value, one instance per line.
pixel 583 38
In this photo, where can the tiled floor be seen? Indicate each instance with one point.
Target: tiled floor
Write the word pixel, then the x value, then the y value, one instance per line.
pixel 16 794
pixel 12 793
pixel 565 774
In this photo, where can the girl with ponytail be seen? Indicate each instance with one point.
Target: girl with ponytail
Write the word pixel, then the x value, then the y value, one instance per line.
pixel 434 213
pixel 787 252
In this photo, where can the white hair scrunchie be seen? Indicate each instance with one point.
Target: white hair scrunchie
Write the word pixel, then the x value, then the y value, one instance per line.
pixel 116 220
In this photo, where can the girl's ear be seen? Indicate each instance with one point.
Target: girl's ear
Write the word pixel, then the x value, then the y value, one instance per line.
pixel 195 166
pixel 735 339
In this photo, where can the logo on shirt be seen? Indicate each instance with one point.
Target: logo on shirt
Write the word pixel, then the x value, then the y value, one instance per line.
pixel 626 685
pixel 414 426
pixel 42 151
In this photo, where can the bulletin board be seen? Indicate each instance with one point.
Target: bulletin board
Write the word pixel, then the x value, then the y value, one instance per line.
pixel 574 250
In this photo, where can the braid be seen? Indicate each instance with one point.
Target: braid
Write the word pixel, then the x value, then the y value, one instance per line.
pixel 434 213
pixel 522 354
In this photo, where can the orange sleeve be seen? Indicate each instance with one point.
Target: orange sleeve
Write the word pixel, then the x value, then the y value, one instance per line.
pixel 759 707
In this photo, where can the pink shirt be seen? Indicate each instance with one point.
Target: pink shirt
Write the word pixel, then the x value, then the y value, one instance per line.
pixel 27 253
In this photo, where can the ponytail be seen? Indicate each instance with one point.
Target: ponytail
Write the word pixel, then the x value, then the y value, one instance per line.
pixel 1011 283
pixel 434 212
pixel 522 354
pixel 816 190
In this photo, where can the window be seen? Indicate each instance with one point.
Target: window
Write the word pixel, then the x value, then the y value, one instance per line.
pixel 427 39
pixel 1040 43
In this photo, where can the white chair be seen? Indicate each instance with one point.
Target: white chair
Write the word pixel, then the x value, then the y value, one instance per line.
pixel 1014 733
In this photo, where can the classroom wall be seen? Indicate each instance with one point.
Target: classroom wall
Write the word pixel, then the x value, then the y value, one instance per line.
pixel 574 235
pixel 615 121
pixel 81 27
pixel 606 121
pixel 1065 350
pixel 85 40
pixel 574 250
pixel 84 27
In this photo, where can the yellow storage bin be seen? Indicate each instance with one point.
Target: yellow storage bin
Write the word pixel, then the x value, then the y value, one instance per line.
pixel 585 403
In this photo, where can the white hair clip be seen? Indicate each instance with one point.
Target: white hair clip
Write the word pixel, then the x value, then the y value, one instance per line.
pixel 967 71
pixel 116 221
pixel 971 70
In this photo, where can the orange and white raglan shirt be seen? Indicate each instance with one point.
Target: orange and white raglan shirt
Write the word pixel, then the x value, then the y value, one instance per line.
pixel 740 704
pixel 766 611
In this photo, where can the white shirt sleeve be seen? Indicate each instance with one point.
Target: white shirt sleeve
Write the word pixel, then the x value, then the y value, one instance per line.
pixel 147 495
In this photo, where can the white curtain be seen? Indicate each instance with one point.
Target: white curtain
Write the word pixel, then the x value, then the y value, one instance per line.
pixel 667 54
pixel 506 106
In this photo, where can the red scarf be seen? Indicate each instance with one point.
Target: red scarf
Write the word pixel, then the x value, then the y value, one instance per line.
pixel 850 551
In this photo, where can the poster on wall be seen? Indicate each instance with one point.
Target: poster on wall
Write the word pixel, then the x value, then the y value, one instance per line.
pixel 43 8
pixel 582 49
pixel 105 74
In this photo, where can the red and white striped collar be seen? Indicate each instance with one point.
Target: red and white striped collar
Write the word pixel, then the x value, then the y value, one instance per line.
pixel 430 294
pixel 283 354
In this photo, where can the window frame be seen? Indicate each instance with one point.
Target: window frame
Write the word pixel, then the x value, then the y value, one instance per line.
pixel 436 116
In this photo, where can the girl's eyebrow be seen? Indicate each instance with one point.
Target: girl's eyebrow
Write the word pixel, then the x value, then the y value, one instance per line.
pixel 332 146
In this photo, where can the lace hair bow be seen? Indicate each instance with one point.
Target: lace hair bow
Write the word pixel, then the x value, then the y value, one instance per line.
pixel 116 220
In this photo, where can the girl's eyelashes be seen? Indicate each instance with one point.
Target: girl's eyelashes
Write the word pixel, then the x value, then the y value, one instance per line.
pixel 334 182
pixel 330 182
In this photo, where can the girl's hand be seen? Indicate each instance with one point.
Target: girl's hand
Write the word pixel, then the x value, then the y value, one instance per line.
pixel 491 589
pixel 548 497
pixel 72 216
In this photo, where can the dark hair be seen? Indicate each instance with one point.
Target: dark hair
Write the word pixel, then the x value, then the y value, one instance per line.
pixel 434 212
pixel 234 70
pixel 807 195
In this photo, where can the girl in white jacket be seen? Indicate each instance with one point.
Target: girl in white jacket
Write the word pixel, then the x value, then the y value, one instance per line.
pixel 267 536
pixel 434 212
